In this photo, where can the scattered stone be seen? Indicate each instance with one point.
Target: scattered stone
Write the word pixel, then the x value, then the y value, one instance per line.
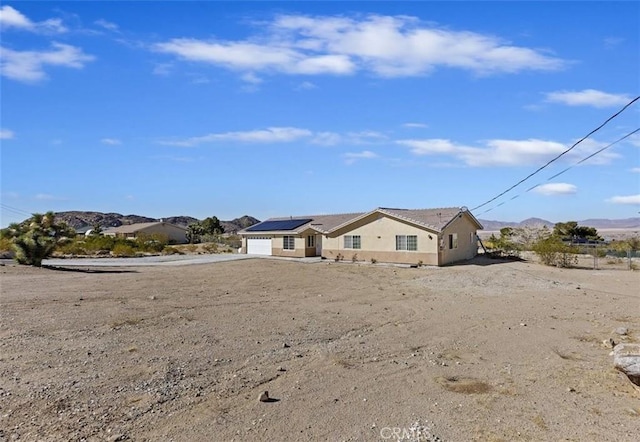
pixel 571 390
pixel 285 345
pixel 626 358
pixel 523 324
pixel 609 343
pixel 622 331
pixel 152 297
pixel 264 396
pixel 282 369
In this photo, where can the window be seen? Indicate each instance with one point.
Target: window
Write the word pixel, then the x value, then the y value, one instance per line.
pixel 406 242
pixel 352 242
pixel 453 241
pixel 288 242
pixel 311 241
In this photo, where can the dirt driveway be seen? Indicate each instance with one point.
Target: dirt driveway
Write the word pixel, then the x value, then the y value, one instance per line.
pixel 348 352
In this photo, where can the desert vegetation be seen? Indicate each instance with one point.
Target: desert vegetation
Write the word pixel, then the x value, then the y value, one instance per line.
pixel 559 247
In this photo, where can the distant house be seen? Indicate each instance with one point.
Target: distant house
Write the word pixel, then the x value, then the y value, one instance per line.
pixel 428 236
pixel 176 234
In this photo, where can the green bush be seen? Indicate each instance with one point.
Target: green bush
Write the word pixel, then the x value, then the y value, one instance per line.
pixel 123 250
pixel 553 252
pixel 72 248
pixel 154 242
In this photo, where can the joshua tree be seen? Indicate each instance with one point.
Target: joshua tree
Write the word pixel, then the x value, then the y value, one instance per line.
pixel 36 238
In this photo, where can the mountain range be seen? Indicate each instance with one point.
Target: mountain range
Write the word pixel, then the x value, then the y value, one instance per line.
pixel 597 223
pixel 80 219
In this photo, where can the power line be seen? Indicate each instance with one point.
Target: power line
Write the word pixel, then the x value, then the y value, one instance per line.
pixel 568 168
pixel 560 155
pixel 14 210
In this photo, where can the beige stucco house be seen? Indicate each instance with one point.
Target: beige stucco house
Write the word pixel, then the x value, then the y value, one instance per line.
pixel 175 234
pixel 423 236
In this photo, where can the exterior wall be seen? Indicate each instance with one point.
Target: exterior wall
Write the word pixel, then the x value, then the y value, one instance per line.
pixel 176 234
pixel 300 244
pixel 467 241
pixel 378 241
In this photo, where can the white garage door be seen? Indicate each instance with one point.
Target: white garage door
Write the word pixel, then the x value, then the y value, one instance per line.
pixel 259 246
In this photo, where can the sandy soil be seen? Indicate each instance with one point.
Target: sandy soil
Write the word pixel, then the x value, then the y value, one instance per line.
pixel 487 351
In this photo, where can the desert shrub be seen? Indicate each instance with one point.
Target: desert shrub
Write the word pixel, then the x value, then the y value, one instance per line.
pixel 505 245
pixel 339 257
pixel 210 247
pixel 373 260
pixel 354 258
pixel 72 248
pixel 5 245
pixel 154 242
pixel 172 251
pixel 553 252
pixel 233 241
pixel 123 250
pixel 93 243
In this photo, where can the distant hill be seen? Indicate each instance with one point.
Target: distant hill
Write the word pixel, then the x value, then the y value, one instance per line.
pixel 79 220
pixel 627 223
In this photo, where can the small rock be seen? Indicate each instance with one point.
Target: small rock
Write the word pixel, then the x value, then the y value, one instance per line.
pixel 626 358
pixel 523 324
pixel 152 297
pixel 282 369
pixel 571 390
pixel 285 345
pixel 609 343
pixel 264 396
pixel 622 331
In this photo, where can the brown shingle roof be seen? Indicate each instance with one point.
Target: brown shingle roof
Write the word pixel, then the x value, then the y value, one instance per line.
pixel 133 228
pixel 434 219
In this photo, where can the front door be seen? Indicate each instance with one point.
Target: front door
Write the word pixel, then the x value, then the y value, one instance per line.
pixel 318 245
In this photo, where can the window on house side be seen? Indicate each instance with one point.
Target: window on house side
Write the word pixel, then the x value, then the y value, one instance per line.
pixel 406 242
pixel 453 241
pixel 352 242
pixel 288 242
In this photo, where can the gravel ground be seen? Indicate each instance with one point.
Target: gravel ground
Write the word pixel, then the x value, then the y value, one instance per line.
pixel 486 351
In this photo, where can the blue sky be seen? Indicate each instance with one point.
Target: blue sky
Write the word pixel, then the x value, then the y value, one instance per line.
pixel 293 108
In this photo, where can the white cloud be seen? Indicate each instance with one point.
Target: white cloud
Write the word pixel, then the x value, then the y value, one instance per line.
pixel 351 157
pixel 6 134
pixel 251 78
pixel 28 66
pixel 268 135
pixel 163 69
pixel 12 18
pixel 635 170
pixel 588 97
pixel 106 25
pixel 306 86
pixel 500 152
pixel 629 199
pixel 415 125
pixel 111 141
pixel 556 189
pixel 48 197
pixel 384 45
pixel 327 138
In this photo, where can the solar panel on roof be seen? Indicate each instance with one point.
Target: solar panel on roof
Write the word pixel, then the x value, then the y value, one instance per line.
pixel 286 224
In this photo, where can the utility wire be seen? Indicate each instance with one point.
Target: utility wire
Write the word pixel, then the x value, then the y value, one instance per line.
pixel 568 168
pixel 560 155
pixel 14 210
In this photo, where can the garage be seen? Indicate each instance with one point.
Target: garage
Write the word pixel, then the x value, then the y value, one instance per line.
pixel 259 246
